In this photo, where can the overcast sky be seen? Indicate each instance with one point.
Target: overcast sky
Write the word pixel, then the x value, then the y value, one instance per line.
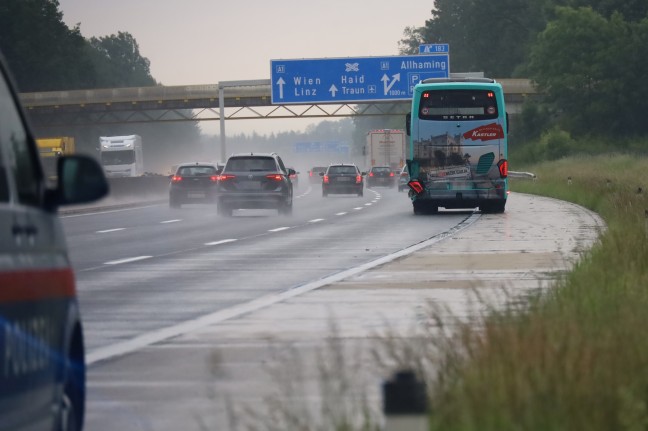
pixel 194 42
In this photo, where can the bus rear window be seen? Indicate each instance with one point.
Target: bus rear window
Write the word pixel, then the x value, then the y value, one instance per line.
pixel 444 105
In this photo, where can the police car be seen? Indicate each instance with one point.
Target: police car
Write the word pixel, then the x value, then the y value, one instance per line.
pixel 42 367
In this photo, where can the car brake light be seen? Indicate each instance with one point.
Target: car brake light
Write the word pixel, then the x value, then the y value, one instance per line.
pixel 358 179
pixel 416 186
pixel 214 178
pixel 371 174
pixel 276 177
pixel 391 174
pixel 225 177
pixel 326 179
pixel 176 179
pixel 503 168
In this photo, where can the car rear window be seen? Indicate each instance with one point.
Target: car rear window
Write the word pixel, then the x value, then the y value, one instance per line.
pixel 342 170
pixel 381 169
pixel 251 164
pixel 196 171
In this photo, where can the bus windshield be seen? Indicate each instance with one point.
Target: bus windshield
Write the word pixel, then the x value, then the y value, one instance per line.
pixel 444 105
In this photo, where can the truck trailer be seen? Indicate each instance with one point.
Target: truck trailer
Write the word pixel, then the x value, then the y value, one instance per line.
pixel 121 156
pixel 50 149
pixel 385 147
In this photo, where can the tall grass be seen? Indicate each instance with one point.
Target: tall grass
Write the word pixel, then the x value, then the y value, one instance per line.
pixel 576 358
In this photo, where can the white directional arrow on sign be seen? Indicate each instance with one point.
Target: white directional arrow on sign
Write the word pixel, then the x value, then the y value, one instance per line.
pixel 333 90
pixel 281 84
pixel 388 84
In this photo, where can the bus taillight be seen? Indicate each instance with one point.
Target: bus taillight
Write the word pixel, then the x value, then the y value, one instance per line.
pixel 503 168
pixel 416 186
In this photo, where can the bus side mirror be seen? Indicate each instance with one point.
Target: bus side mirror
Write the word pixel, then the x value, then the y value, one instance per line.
pixel 408 123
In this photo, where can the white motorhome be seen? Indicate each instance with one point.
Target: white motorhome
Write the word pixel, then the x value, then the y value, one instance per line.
pixel 121 156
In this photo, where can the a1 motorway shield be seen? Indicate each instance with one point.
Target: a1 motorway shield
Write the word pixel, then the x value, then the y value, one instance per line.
pixel 343 80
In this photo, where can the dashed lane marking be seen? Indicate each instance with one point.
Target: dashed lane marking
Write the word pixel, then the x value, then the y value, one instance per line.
pixel 222 241
pixel 127 260
pixel 111 230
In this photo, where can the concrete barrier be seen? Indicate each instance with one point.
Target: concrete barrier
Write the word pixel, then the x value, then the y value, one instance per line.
pixel 147 186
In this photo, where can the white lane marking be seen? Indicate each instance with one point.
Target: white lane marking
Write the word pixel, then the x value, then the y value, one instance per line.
pixel 279 229
pixel 358 208
pixel 340 214
pixel 153 337
pixel 170 221
pixel 127 260
pixel 111 230
pixel 368 204
pixel 105 211
pixel 317 220
pixel 223 241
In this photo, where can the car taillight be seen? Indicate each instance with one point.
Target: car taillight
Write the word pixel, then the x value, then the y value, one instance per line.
pixel 371 174
pixel 213 178
pixel 275 177
pixel 358 179
pixel 326 179
pixel 391 174
pixel 176 179
pixel 225 177
pixel 503 168
pixel 310 173
pixel 404 174
pixel 416 186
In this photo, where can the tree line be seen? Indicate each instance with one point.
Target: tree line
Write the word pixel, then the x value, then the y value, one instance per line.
pixel 589 57
pixel 44 54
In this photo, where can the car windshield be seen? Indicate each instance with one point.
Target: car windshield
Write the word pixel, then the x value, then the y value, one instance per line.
pixel 251 164
pixel 342 170
pixel 196 171
pixel 381 170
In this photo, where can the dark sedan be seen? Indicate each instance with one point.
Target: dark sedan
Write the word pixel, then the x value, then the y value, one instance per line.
pixel 381 176
pixel 342 179
pixel 193 183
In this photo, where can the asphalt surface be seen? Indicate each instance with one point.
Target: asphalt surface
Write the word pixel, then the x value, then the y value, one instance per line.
pixel 198 322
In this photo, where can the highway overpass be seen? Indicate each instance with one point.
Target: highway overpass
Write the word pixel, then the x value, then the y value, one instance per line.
pixel 240 100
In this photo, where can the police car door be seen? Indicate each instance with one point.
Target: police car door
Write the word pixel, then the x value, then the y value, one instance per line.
pixel 35 282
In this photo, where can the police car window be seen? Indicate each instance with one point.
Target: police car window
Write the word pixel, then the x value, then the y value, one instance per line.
pixel 19 162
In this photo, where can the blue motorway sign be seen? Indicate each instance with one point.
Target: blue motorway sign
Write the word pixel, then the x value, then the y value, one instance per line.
pixel 343 80
pixel 434 48
pixel 322 147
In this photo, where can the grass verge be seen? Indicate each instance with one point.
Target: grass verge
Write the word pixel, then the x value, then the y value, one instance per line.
pixel 576 357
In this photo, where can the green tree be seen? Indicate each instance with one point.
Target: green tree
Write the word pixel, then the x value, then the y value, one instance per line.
pixel 632 10
pixel 493 37
pixel 118 62
pixel 592 70
pixel 42 52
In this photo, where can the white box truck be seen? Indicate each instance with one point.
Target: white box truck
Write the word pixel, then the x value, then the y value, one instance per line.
pixel 121 156
pixel 385 147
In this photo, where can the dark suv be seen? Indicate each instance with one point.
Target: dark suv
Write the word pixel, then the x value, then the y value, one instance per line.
pixel 255 180
pixel 342 179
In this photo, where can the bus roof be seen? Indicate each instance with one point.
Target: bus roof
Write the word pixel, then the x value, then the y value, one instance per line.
pixel 444 80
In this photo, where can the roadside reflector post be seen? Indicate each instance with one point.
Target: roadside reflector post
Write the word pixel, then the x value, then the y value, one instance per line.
pixel 405 403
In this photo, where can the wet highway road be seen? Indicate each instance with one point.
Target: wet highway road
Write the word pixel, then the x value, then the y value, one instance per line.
pixel 199 336
pixel 143 269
